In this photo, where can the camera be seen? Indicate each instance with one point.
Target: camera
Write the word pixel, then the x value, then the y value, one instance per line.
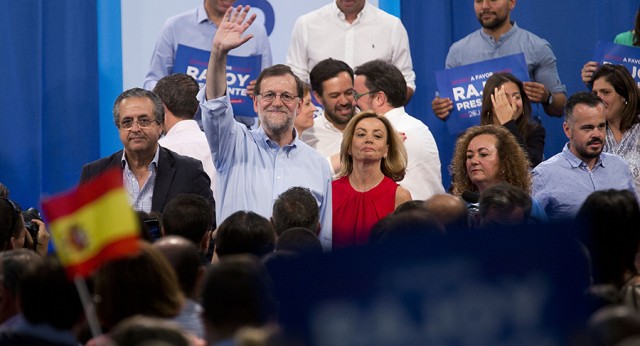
pixel 32 228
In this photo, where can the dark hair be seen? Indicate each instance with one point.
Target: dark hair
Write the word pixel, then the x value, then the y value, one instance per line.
pixel 238 292
pixel 624 85
pixel 582 97
pixel 327 69
pixel 383 76
pixel 4 191
pixel 295 207
pixel 505 198
pixel 188 215
pixel 183 256
pixel 278 70
pixel 524 123
pixel 48 296
pixel 299 240
pixel 178 92
pixel 245 232
pixel 15 263
pixel 10 222
pixel 142 283
pixel 158 108
pixel 145 330
pixel 610 220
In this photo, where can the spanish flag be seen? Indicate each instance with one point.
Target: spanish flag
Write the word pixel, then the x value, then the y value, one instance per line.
pixel 92 224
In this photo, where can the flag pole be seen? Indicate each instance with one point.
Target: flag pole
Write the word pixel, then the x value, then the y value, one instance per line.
pixel 89 306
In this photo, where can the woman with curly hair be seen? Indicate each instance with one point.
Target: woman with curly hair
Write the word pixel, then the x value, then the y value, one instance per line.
pixel 373 159
pixel 485 155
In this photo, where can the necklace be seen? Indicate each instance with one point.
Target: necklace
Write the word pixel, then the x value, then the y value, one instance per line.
pixel 364 188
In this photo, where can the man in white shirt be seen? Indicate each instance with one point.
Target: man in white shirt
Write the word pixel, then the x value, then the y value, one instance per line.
pixel 352 31
pixel 380 87
pixel 182 133
pixel 332 85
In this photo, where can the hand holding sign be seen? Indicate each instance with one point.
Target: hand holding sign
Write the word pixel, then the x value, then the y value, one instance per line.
pixel 229 34
pixel 536 92
pixel 441 107
pixel 587 71
pixel 502 106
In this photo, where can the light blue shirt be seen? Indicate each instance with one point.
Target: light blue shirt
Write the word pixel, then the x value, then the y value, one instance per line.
pixel 252 170
pixel 562 183
pixel 140 198
pixel 478 46
pixel 193 28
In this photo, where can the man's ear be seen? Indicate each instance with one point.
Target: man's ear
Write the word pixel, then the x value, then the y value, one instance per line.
pixel 318 98
pixel 567 129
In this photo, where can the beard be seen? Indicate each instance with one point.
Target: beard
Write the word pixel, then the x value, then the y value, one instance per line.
pixel 275 123
pixel 590 154
pixel 339 119
pixel 494 23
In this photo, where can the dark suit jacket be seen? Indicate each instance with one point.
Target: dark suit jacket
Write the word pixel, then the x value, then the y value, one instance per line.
pixel 175 174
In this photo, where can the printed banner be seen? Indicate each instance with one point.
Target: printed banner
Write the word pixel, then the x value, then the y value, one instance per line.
pixel 611 53
pixel 464 84
pixel 240 71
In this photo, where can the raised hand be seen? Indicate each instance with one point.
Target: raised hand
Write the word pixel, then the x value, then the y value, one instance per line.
pixel 502 107
pixel 587 71
pixel 233 26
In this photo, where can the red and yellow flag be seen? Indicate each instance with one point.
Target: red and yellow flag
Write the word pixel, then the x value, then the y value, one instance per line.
pixel 92 224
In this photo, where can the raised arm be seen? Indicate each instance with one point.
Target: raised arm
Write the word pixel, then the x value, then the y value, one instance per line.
pixel 228 37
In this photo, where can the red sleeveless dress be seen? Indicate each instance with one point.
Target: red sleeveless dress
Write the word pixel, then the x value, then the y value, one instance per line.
pixel 355 213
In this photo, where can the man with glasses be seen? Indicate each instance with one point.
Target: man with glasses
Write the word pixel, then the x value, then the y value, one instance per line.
pixel 380 87
pixel 256 166
pixel 152 175
pixel 332 85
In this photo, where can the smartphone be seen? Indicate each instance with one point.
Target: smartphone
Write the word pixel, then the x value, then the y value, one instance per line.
pixel 154 228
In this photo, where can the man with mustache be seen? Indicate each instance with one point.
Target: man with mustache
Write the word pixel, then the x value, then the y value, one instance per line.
pixel 255 166
pixel 498 37
pixel 332 85
pixel 562 183
pixel 152 175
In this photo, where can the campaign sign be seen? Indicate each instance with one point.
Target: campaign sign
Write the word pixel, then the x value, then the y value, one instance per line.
pixel 611 53
pixel 464 84
pixel 240 71
pixel 517 286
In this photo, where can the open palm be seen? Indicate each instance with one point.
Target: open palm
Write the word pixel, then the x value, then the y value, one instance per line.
pixel 233 26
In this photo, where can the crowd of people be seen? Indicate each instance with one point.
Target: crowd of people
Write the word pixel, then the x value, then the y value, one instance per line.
pixel 232 196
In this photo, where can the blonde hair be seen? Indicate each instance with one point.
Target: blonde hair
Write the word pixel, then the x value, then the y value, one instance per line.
pixel 513 161
pixel 393 166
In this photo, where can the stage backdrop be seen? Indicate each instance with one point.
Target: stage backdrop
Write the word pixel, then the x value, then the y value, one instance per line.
pixel 59 81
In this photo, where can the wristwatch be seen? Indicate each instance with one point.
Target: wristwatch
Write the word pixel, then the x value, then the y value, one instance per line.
pixel 550 99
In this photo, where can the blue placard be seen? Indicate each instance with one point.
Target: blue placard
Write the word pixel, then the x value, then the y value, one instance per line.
pixel 240 71
pixel 464 84
pixel 518 286
pixel 611 53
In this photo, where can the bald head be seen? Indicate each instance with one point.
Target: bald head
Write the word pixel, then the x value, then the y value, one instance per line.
pixel 185 260
pixel 449 210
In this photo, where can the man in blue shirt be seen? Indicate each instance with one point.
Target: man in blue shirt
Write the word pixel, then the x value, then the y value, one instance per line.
pixel 562 183
pixel 498 37
pixel 256 166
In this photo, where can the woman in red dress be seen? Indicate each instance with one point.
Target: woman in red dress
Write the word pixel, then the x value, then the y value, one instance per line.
pixel 373 158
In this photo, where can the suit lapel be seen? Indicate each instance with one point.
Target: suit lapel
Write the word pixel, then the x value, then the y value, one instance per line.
pixel 164 177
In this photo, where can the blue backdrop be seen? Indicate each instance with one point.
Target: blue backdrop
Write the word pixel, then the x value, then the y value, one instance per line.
pixel 48 95
pixel 49 108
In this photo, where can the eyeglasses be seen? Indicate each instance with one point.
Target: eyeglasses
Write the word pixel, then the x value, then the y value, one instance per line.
pixel 358 96
pixel 144 122
pixel 284 97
